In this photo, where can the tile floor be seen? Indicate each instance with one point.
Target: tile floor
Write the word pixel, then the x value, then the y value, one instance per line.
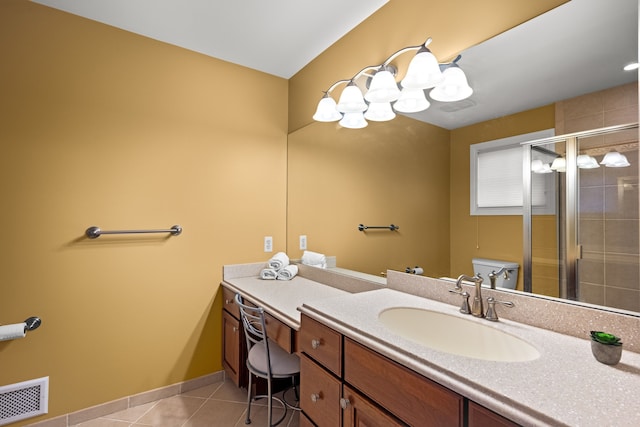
pixel 218 404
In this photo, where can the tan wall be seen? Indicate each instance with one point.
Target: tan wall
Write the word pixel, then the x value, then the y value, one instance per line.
pixel 394 172
pixel 494 237
pixel 102 127
pixel 454 25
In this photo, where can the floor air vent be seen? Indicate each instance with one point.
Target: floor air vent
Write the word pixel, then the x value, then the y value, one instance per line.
pixel 23 400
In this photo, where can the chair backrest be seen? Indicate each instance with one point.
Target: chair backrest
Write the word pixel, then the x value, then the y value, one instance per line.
pixel 255 330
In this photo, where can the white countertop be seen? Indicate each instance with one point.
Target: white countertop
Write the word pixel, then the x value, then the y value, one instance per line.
pixel 564 386
pixel 281 298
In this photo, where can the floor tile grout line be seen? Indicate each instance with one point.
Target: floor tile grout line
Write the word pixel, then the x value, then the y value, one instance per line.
pixel 204 401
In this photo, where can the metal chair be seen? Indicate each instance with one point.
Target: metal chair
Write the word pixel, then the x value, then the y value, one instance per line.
pixel 265 359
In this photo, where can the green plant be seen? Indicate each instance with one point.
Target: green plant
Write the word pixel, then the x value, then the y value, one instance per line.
pixel 605 338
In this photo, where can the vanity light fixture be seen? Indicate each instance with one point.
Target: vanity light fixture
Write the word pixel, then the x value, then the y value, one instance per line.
pixel 447 81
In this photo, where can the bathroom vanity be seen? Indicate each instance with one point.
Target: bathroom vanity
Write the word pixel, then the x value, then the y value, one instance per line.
pixel 356 371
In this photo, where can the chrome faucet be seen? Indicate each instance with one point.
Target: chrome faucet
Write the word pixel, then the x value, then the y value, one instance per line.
pixel 477 308
pixel 494 275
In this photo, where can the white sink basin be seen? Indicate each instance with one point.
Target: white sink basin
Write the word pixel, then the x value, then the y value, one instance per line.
pixel 455 335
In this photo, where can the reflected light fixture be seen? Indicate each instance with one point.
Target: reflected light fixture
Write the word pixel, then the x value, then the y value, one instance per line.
pixel 538 167
pixel 559 164
pixel 585 161
pixel 447 82
pixel 454 87
pixel 613 159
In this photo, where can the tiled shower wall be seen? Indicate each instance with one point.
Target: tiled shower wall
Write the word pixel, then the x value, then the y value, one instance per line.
pixel 609 219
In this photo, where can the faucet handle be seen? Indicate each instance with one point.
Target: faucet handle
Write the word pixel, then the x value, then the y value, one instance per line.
pixel 464 308
pixel 492 315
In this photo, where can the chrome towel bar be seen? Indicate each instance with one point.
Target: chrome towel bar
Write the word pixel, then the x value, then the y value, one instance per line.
pixel 95 232
pixel 387 227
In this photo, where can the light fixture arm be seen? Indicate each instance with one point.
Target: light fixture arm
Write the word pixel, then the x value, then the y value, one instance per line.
pixel 406 49
pixel 453 63
pixel 333 86
pixel 380 66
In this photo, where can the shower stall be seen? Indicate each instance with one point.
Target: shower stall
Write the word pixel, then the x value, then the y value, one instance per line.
pixel 584 245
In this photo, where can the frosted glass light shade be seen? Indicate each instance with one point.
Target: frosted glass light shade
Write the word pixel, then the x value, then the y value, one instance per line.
pixel 454 87
pixel 411 101
pixel 380 112
pixel 383 88
pixel 587 162
pixel 351 100
pixel 353 121
pixel 559 164
pixel 613 159
pixel 538 167
pixel 423 72
pixel 326 111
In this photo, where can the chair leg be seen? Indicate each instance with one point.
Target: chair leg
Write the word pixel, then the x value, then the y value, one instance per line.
pixel 270 407
pixel 295 388
pixel 248 419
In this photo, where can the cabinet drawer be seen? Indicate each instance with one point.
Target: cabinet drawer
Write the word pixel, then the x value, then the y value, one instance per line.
pixel 228 302
pixel 411 397
pixel 321 343
pixel 319 394
pixel 279 332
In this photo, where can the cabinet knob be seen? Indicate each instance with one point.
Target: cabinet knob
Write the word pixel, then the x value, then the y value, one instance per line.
pixel 235 329
pixel 315 344
pixel 344 403
pixel 227 301
pixel 316 396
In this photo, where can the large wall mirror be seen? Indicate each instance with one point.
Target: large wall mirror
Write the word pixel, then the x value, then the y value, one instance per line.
pixel 413 172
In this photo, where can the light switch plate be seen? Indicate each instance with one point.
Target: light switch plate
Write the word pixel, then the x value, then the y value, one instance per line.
pixel 303 242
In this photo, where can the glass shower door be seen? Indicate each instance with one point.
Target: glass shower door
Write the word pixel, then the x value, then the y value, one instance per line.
pixel 585 246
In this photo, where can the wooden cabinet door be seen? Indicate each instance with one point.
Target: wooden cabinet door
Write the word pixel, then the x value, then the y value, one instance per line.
pixel 359 411
pixel 414 399
pixel 232 347
pixel 319 394
pixel 479 416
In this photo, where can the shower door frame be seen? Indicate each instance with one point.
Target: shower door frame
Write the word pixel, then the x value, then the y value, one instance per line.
pixel 572 250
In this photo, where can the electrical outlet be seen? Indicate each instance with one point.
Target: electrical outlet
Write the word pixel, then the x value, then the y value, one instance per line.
pixel 303 242
pixel 268 244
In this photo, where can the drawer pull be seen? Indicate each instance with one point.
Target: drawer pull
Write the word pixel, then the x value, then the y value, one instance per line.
pixel 344 403
pixel 228 301
pixel 316 396
pixel 235 329
pixel 315 344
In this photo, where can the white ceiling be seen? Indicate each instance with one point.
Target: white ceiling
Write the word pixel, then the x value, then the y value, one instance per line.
pixel 277 37
pixel 574 49
pixel 577 48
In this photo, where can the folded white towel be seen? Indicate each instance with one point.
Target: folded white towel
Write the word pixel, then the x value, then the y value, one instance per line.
pixel 268 274
pixel 314 259
pixel 288 272
pixel 279 261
